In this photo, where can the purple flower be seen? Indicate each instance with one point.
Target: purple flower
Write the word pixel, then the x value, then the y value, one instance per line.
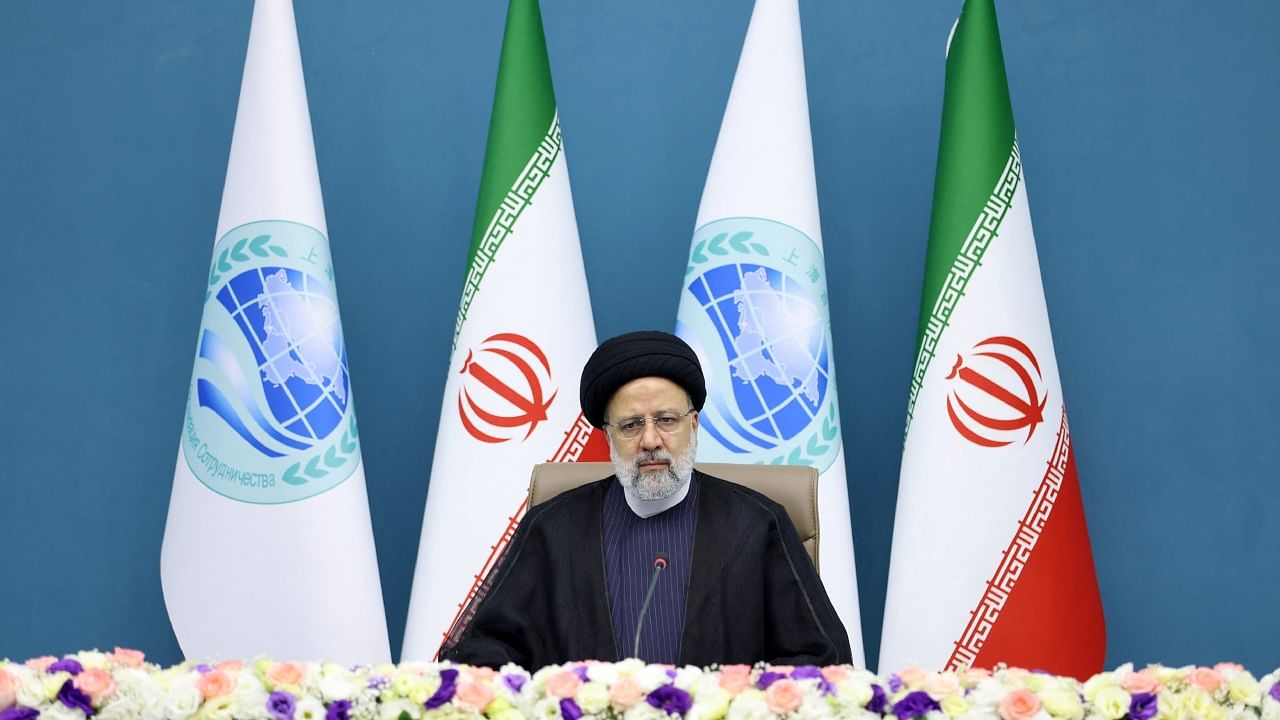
pixel 914 705
pixel 878 700
pixel 339 710
pixel 895 683
pixel 768 678
pixel 70 665
pixel 17 712
pixel 581 672
pixel 378 682
pixel 448 686
pixel 806 672
pixel 281 705
pixel 515 682
pixel 671 700
pixel 1275 692
pixel 73 697
pixel 826 687
pixel 569 709
pixel 1142 706
pixel 203 669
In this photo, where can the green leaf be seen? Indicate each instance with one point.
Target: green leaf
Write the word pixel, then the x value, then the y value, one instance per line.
pixel 355 431
pixel 760 249
pixel 223 265
pixel 404 715
pixel 291 475
pixel 256 246
pixel 314 470
pixel 688 270
pixel 347 443
pixel 278 250
pixel 717 245
pixel 739 240
pixel 331 458
pixel 697 255
pixel 237 250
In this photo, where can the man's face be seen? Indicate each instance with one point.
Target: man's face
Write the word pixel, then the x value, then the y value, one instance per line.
pixel 654 464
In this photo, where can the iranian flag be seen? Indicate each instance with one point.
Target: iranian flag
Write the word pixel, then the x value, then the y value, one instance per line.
pixel 753 303
pixel 990 560
pixel 524 332
pixel 268 548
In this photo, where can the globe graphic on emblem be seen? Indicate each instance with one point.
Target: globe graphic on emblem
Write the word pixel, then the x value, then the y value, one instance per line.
pixel 290 321
pixel 774 336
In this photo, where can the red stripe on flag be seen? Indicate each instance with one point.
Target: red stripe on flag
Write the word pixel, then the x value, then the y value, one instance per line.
pixel 1041 608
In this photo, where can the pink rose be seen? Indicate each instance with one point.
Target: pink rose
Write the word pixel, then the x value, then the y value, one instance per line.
pixel 1228 667
pixel 783 696
pixel 834 673
pixel 8 690
pixel 975 675
pixel 126 657
pixel 97 684
pixel 912 677
pixel 215 683
pixel 564 684
pixel 625 692
pixel 735 678
pixel 481 674
pixel 1142 681
pixel 475 696
pixel 231 667
pixel 40 664
pixel 1016 675
pixel 1207 679
pixel 941 686
pixel 1019 705
pixel 287 673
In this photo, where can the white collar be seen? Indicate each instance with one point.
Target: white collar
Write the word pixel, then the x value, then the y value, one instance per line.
pixel 649 508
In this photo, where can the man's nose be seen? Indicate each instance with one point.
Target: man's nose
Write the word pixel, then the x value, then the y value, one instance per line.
pixel 650 438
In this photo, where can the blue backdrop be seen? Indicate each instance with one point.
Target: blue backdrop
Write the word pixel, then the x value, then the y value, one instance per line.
pixel 1149 136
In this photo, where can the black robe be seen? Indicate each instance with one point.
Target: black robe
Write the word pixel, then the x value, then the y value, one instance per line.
pixel 753 594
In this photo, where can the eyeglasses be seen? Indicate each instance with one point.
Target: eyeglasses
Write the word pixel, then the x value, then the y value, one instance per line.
pixel 633 427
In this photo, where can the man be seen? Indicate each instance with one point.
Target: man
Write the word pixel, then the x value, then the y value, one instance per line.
pixel 659 561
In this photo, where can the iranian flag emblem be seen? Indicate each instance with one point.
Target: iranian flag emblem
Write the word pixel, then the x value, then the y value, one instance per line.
pixel 991 560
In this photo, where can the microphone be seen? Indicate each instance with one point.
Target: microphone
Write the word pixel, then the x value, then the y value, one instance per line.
pixel 659 564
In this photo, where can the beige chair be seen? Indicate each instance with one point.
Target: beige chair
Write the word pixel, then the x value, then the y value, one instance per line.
pixel 792 486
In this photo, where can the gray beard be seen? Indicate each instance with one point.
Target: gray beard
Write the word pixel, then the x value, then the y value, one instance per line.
pixel 655 484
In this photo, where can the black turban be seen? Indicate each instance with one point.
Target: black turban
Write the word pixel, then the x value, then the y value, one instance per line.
pixel 644 353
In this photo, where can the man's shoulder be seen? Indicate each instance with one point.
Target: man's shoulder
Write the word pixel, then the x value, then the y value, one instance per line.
pixel 747 500
pixel 571 501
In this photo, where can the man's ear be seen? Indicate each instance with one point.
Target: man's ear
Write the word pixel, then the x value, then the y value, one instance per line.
pixel 695 421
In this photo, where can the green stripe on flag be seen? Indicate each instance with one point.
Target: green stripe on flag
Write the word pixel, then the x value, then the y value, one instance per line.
pixel 524 135
pixel 977 165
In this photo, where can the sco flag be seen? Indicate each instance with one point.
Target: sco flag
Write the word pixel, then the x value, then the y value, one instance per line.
pixel 524 331
pixel 754 298
pixel 990 560
pixel 268 548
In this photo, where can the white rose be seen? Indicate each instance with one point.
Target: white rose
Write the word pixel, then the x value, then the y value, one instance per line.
pixel 309 708
pixel 391 710
pixel 749 705
pixel 606 673
pixel 58 711
pixel 250 702
pixel 651 677
pixel 181 701
pixel 30 690
pixel 337 683
pixel 644 711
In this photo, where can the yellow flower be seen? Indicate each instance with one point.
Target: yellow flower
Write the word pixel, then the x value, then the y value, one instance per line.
pixel 1197 702
pixel 1035 683
pixel 714 703
pixel 1097 683
pixel 1111 702
pixel 955 705
pixel 497 707
pixel 593 697
pixel 1244 689
pixel 1062 703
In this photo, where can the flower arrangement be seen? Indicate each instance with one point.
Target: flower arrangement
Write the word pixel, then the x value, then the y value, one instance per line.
pixel 120 684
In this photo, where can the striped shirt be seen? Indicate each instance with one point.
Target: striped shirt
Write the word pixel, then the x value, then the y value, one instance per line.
pixel 631 543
